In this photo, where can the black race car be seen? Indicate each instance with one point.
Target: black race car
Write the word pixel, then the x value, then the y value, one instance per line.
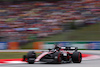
pixel 55 55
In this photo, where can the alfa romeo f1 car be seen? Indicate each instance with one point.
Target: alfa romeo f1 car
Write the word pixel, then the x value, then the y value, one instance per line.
pixel 55 55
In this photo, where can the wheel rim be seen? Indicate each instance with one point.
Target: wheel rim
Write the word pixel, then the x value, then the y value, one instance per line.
pixel 59 58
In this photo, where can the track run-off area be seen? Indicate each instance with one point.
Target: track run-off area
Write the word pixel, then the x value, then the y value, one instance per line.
pixel 91 58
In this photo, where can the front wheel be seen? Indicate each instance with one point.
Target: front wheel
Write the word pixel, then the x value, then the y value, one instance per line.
pixel 31 56
pixel 76 57
pixel 31 61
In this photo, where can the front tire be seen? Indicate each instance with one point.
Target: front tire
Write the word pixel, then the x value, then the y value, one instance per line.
pixel 30 61
pixel 76 57
pixel 31 56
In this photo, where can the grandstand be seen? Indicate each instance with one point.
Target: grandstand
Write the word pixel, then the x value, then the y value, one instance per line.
pixel 32 20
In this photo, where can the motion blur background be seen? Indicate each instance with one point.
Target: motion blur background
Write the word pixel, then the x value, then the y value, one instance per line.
pixel 39 24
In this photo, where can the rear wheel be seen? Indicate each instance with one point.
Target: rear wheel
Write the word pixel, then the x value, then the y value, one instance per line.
pixel 57 57
pixel 76 57
pixel 31 56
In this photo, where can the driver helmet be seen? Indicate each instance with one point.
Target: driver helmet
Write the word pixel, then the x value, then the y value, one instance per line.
pixel 57 47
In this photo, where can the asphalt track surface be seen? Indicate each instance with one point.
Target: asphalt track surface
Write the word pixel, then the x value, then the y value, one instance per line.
pixel 85 63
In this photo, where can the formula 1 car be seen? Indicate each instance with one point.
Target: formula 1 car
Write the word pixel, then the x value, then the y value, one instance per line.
pixel 55 55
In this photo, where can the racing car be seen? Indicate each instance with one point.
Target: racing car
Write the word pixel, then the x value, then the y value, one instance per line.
pixel 55 55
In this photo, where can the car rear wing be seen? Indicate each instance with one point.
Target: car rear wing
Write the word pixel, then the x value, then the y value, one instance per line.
pixel 70 48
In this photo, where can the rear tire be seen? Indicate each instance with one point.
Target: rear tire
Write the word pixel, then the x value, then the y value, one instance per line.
pixel 57 57
pixel 76 57
pixel 31 56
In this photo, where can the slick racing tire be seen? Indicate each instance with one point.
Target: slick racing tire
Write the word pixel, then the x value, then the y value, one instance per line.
pixel 57 57
pixel 31 56
pixel 76 57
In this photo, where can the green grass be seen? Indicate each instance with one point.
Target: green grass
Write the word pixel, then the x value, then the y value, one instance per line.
pixel 58 37
pixel 27 46
pixel 12 55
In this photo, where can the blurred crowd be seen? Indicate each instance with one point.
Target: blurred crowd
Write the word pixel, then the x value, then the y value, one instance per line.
pixel 31 20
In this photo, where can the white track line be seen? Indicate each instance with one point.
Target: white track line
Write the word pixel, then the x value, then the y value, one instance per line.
pixel 91 57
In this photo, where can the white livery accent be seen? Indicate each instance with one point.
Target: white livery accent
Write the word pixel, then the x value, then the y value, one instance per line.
pixel 63 47
pixel 40 56
pixel 72 48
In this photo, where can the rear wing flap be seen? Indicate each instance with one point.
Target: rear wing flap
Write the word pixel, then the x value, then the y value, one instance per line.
pixel 70 48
